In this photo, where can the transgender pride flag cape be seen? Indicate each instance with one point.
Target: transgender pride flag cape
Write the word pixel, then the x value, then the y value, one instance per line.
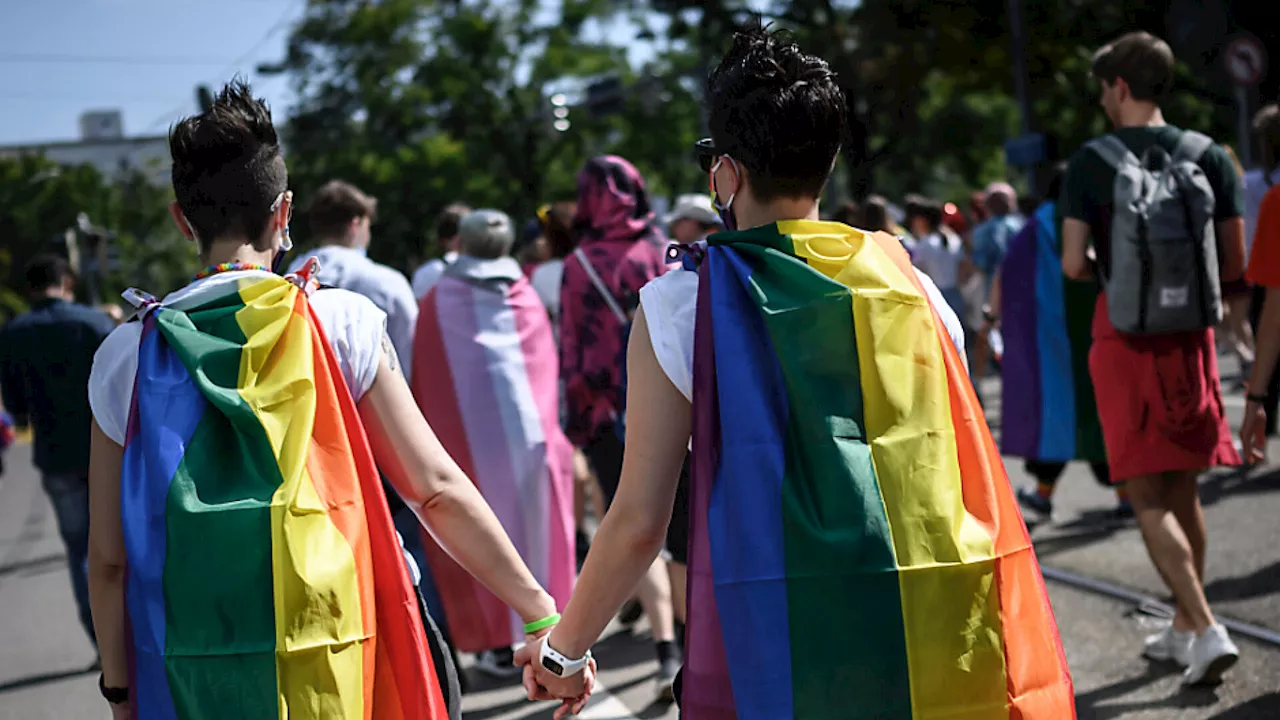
pixel 265 579
pixel 1048 411
pixel 486 376
pixel 856 548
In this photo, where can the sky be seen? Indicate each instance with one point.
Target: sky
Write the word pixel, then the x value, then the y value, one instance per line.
pixel 60 58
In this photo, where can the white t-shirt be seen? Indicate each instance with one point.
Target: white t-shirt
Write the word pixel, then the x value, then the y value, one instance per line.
pixel 1256 185
pixel 353 324
pixel 670 305
pixel 546 279
pixel 426 276
pixel 351 269
pixel 939 256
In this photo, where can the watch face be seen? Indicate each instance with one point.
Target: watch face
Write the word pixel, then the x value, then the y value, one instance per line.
pixel 553 666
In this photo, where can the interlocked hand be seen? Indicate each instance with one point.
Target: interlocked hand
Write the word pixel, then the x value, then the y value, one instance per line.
pixel 541 684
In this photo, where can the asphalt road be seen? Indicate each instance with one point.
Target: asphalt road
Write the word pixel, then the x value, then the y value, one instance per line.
pixel 44 655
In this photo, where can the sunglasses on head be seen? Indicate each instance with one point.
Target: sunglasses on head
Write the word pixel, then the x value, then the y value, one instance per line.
pixel 707 154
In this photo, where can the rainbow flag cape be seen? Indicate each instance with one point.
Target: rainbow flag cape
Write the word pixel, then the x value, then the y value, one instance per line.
pixel 1048 411
pixel 856 549
pixel 486 376
pixel 265 579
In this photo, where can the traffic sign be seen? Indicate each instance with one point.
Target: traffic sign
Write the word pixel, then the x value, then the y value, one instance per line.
pixel 1025 150
pixel 1246 60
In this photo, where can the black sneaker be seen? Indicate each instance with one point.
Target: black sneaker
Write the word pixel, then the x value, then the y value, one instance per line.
pixel 667 671
pixel 498 663
pixel 582 545
pixel 1029 498
pixel 630 613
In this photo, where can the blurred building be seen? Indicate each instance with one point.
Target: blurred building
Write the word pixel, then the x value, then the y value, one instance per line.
pixel 103 145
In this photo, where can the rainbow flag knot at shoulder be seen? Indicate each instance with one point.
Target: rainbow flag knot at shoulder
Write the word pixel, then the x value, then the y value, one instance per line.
pixel 264 576
pixel 856 549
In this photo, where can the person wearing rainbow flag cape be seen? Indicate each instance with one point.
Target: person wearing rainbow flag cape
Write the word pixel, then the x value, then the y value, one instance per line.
pixel 856 550
pixel 243 563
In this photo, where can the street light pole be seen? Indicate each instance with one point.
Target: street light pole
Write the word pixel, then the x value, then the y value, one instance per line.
pixel 1021 82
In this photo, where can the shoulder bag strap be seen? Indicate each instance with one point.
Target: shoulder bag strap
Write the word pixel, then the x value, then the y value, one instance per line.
pixel 600 286
pixel 1112 150
pixel 1192 146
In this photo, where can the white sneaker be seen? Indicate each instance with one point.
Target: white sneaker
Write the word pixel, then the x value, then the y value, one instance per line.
pixel 1212 654
pixel 497 664
pixel 1169 645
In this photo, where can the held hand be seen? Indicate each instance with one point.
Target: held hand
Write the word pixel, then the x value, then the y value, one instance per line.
pixel 1253 434
pixel 541 684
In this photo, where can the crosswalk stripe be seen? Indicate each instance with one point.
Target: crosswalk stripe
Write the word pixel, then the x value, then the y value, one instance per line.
pixel 604 706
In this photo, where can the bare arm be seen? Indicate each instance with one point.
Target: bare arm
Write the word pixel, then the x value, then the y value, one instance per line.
pixel 107 557
pixel 993 298
pixel 1075 249
pixel 658 426
pixel 1267 336
pixel 441 495
pixel 1231 246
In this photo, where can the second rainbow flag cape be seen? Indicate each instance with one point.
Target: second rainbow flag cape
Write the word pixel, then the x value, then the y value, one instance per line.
pixel 265 579
pixel 856 549
pixel 1047 411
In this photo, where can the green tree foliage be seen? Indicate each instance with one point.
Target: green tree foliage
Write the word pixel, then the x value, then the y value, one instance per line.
pixel 422 103
pixel 930 82
pixel 40 202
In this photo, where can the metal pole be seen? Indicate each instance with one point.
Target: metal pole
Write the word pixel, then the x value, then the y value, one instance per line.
pixel 1242 113
pixel 1021 82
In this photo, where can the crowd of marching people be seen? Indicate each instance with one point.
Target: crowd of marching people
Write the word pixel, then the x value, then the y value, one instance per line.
pixel 300 491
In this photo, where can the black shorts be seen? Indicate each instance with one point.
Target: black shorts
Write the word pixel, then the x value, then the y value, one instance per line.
pixel 605 455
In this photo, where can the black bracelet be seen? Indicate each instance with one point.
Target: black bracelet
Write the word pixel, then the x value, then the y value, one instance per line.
pixel 113 695
pixel 1254 398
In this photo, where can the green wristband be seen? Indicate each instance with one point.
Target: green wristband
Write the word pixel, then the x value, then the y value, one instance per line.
pixel 543 624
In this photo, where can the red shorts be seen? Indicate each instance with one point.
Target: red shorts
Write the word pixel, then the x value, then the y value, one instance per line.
pixel 1159 400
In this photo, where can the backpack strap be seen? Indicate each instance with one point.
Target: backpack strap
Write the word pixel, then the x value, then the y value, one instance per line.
pixel 1192 146
pixel 600 286
pixel 1113 151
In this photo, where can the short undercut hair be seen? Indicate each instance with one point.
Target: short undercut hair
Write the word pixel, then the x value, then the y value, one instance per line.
pixel 1144 61
pixel 227 167
pixel 778 111
pixel 336 204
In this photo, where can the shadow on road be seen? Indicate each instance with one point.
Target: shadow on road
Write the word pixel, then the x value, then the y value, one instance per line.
pixel 1089 528
pixel 1219 485
pixel 1090 705
pixel 43 678
pixel 34 566
pixel 546 710
pixel 1261 582
pixel 1256 709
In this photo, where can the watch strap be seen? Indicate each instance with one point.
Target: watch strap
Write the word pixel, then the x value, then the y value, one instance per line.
pixel 558 664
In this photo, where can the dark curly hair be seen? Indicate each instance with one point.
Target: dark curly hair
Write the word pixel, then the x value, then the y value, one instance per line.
pixel 778 111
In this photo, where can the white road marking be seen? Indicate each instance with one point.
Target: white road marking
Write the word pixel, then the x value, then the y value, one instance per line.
pixel 604 706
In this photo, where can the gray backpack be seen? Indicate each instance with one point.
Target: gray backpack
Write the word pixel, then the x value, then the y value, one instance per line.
pixel 1163 275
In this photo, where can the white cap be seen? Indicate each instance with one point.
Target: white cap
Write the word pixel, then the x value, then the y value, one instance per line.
pixel 694 207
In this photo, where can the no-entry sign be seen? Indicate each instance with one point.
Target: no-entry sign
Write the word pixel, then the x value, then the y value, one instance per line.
pixel 1246 60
